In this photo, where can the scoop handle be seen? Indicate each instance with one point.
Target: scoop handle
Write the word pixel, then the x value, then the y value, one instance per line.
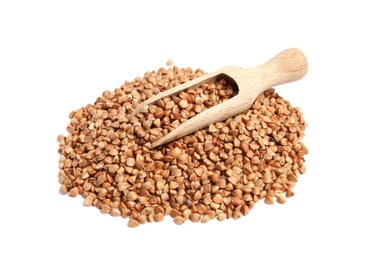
pixel 287 66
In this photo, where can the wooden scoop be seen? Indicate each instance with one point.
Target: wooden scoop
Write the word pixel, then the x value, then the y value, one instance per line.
pixel 289 65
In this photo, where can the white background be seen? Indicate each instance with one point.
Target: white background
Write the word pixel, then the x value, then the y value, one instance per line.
pixel 57 56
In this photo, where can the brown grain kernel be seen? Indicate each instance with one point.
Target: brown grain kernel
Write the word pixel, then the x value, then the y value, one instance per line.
pixel 205 219
pixel 167 210
pixel 133 223
pixel 179 220
pixel 131 195
pixel 174 213
pixel 74 192
pixel 122 186
pixel 233 180
pixel 63 190
pixel 186 213
pixel 236 214
pixel 159 185
pixel 113 168
pixel 125 212
pixel 211 213
pixel 214 178
pixel 87 186
pixel 198 195
pixel 159 209
pixel 130 162
pixel 105 209
pixel 269 200
pixel 115 212
pixel 278 193
pixel 217 199
pixel 159 217
pixel 256 190
pixel 244 210
pixel 195 217
pixel 221 216
pixel 183 103
pixel 201 209
pixel 236 201
pixel 142 219
pixel 151 218
pixel 266 178
pixel 88 200
pixel 289 193
pixel 280 200
pixel 169 62
pixel 147 185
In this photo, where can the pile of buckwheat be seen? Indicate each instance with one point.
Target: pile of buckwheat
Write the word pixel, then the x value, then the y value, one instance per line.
pixel 219 172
